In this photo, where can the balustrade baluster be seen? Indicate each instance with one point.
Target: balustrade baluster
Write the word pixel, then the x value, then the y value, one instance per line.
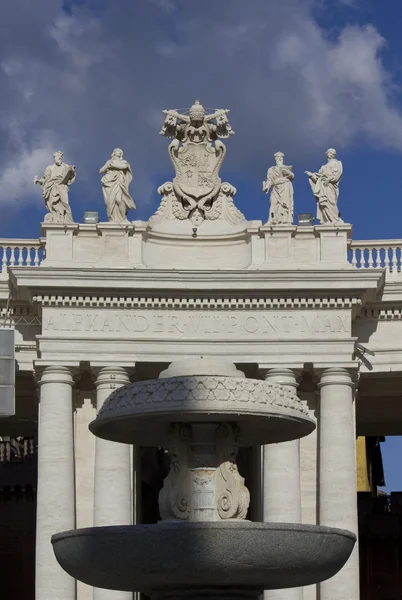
pixel 378 258
pixel 394 261
pixel 370 258
pixel 4 260
pixel 363 258
pixel 20 261
pixel 386 260
pixel 36 258
pixel 354 259
pixel 12 256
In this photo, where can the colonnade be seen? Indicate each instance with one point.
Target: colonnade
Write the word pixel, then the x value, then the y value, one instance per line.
pixel 56 481
pixel 337 504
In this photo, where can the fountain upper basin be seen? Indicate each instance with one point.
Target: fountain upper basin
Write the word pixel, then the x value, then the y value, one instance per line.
pixel 171 555
pixel 140 413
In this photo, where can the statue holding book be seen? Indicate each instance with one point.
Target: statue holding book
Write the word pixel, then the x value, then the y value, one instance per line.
pixel 325 186
pixel 55 186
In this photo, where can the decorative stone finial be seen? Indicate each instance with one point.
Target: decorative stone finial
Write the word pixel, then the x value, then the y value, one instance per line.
pixel 197 111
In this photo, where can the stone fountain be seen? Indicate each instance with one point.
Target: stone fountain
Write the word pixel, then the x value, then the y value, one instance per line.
pixel 202 410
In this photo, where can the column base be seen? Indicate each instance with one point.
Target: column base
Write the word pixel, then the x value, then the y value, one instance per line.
pixel 207 593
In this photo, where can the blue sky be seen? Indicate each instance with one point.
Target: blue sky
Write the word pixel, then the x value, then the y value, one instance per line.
pixel 298 75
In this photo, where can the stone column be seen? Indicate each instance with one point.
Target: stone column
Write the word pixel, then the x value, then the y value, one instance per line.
pixel 281 481
pixel 337 474
pixel 56 492
pixel 309 474
pixel 112 497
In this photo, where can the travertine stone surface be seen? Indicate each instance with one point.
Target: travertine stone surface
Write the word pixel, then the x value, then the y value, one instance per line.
pixel 117 176
pixel 325 186
pixel 213 245
pixel 84 447
pixel 281 476
pixel 203 366
pixel 203 484
pixel 112 494
pixel 197 154
pixel 55 495
pixel 55 184
pixel 279 183
pixel 139 413
pixel 337 474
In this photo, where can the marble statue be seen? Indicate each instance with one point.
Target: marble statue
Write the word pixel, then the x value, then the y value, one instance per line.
pixel 115 181
pixel 197 153
pixel 325 186
pixel 279 182
pixel 55 184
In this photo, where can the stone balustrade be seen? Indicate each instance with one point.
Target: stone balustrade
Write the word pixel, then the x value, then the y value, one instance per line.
pixel 20 253
pixel 376 254
pixel 362 254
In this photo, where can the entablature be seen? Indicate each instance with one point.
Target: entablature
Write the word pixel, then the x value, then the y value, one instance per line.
pixel 328 283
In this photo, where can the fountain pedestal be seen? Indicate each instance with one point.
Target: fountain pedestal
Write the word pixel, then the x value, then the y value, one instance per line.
pixel 204 547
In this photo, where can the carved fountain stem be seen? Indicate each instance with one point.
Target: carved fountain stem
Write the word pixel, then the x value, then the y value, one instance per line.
pixel 204 483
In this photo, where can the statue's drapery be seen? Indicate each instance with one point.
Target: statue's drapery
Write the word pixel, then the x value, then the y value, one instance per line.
pixel 279 180
pixel 55 184
pixel 115 182
pixel 325 188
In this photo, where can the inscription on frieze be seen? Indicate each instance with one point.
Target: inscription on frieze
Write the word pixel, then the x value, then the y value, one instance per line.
pixel 196 324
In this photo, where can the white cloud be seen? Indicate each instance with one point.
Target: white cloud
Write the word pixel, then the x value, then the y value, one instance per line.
pixel 16 180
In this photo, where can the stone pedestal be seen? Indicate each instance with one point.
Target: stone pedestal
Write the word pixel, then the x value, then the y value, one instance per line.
pixel 204 484
pixel 59 243
pixel 203 542
pixel 278 240
pixel 56 489
pixel 318 245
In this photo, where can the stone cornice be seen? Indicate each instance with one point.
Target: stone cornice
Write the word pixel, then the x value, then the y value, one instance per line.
pixel 382 313
pixel 198 302
pixel 331 282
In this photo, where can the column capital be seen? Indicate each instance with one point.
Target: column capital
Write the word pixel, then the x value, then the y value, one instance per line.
pixel 105 376
pixel 280 375
pixel 335 376
pixel 56 374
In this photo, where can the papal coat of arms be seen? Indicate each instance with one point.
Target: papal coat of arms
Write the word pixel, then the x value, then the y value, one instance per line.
pixel 197 153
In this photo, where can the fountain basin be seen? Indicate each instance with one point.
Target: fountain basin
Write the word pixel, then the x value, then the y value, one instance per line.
pixel 141 413
pixel 173 555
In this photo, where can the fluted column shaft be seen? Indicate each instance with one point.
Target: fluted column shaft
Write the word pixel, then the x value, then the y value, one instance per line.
pixel 112 496
pixel 337 474
pixel 281 481
pixel 56 491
